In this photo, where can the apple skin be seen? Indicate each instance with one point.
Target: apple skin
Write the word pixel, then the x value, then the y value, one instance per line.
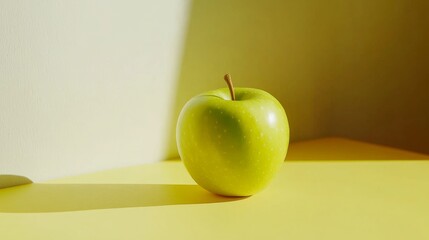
pixel 233 148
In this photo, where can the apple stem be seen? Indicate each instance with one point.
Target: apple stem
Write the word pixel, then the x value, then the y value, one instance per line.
pixel 228 80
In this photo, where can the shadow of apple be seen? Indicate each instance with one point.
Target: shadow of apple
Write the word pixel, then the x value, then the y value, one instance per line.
pixel 34 198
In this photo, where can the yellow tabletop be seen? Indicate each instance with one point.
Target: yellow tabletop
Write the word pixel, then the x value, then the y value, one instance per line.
pixel 327 189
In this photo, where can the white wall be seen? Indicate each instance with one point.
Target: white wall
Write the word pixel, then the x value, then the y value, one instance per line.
pixel 86 85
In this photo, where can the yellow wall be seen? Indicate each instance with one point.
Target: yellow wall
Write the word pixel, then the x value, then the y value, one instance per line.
pixel 382 73
pixel 269 45
pixel 343 68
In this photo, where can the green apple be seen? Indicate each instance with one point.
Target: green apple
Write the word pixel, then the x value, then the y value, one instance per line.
pixel 233 141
